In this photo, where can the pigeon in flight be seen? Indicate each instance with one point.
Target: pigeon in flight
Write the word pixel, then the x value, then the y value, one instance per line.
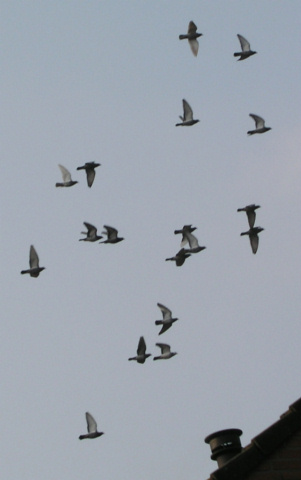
pixel 185 228
pixel 92 428
pixel 67 180
pixel 193 243
pixel 141 355
pixel 253 236
pixel 180 257
pixel 34 270
pixel 165 352
pixel 251 214
pixel 91 234
pixel 112 235
pixel 187 119
pixel 245 47
pixel 192 37
pixel 167 319
pixel 90 171
pixel 259 125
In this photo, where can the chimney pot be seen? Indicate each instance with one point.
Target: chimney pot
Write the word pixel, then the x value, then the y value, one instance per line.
pixel 224 444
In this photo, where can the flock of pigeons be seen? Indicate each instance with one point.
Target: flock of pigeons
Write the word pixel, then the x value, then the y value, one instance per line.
pixel 186 232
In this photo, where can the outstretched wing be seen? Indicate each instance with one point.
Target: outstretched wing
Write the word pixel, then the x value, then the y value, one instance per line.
pixel 91 423
pixel 245 46
pixel 259 121
pixel 165 311
pixel 188 113
pixel 65 174
pixel 33 258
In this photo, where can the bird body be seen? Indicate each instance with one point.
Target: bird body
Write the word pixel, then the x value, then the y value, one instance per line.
pixel 91 427
pixel 112 235
pixel 67 180
pixel 187 119
pixel 165 352
pixel 141 355
pixel 245 47
pixel 253 236
pixel 90 171
pixel 91 234
pixel 192 35
pixel 35 269
pixel 251 214
pixel 259 125
pixel 179 258
pixel 167 318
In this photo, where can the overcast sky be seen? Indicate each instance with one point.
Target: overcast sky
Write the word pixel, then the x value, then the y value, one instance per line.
pixel 104 81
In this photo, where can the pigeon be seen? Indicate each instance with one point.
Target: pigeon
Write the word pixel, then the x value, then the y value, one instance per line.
pixel 67 180
pixel 245 47
pixel 253 235
pixel 34 270
pixel 251 214
pixel 167 319
pixel 180 257
pixel 92 428
pixel 193 243
pixel 90 171
pixel 165 352
pixel 141 355
pixel 112 235
pixel 91 234
pixel 187 119
pixel 192 37
pixel 188 228
pixel 259 125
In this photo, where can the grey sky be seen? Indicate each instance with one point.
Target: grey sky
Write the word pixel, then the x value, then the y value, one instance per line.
pixel 104 81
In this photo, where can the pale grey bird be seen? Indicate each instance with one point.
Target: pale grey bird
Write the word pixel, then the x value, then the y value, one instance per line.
pixel 251 214
pixel 165 352
pixel 34 270
pixel 67 180
pixel 167 318
pixel 90 171
pixel 253 236
pixel 112 235
pixel 193 243
pixel 141 355
pixel 91 427
pixel 187 119
pixel 192 37
pixel 259 125
pixel 245 47
pixel 91 234
pixel 179 258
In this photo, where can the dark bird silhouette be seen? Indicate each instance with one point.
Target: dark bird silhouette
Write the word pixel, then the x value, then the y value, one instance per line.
pixel 251 214
pixel 192 37
pixel 186 228
pixel 112 235
pixel 253 236
pixel 167 318
pixel 91 234
pixel 90 171
pixel 245 47
pixel 67 180
pixel 165 352
pixel 141 355
pixel 187 119
pixel 259 125
pixel 34 270
pixel 91 427
pixel 179 258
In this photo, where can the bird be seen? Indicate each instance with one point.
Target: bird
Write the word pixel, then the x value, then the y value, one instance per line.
pixel 34 270
pixel 141 355
pixel 193 243
pixel 165 352
pixel 67 180
pixel 90 171
pixel 192 37
pixel 187 119
pixel 91 234
pixel 167 318
pixel 245 47
pixel 185 228
pixel 91 427
pixel 112 235
pixel 253 236
pixel 180 257
pixel 251 214
pixel 259 125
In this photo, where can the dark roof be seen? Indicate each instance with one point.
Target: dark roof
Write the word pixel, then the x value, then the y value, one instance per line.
pixel 261 446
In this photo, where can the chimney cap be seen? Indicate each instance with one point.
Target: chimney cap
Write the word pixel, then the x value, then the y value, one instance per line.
pixel 220 433
pixel 224 444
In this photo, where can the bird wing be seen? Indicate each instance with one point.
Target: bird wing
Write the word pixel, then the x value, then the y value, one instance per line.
pixel 92 231
pixel 164 328
pixel 164 347
pixel 91 423
pixel 90 176
pixel 254 241
pixel 259 121
pixel 192 28
pixel 165 311
pixel 251 214
pixel 188 113
pixel 192 240
pixel 245 46
pixel 194 46
pixel 33 258
pixel 65 174
pixel 111 232
pixel 141 347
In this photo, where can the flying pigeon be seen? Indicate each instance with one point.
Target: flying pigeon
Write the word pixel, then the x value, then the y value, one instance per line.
pixel 165 352
pixel 180 257
pixel 91 234
pixel 259 125
pixel 112 235
pixel 193 243
pixel 187 119
pixel 245 47
pixel 67 180
pixel 253 236
pixel 167 319
pixel 92 428
pixel 34 270
pixel 251 214
pixel 185 228
pixel 192 37
pixel 141 355
pixel 90 171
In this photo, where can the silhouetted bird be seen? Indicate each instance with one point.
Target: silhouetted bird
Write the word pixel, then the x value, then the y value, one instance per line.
pixel 165 352
pixel 67 180
pixel 251 214
pixel 34 270
pixel 167 319
pixel 193 243
pixel 92 428
pixel 259 125
pixel 192 37
pixel 179 258
pixel 141 355
pixel 90 171
pixel 185 228
pixel 112 235
pixel 253 236
pixel 187 119
pixel 91 234
pixel 245 47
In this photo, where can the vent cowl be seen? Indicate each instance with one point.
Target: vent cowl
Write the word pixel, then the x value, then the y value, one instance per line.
pixel 224 445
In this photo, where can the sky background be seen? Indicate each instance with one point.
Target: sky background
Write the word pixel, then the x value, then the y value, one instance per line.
pixel 103 81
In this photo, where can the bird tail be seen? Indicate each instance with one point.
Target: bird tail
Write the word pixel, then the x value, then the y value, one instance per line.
pixel 24 271
pixel 166 259
pixel 158 322
pixel 182 37
pixel 237 54
pixel 81 437
pixel 59 184
pixel 251 132
pixel 132 358
pixel 156 358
